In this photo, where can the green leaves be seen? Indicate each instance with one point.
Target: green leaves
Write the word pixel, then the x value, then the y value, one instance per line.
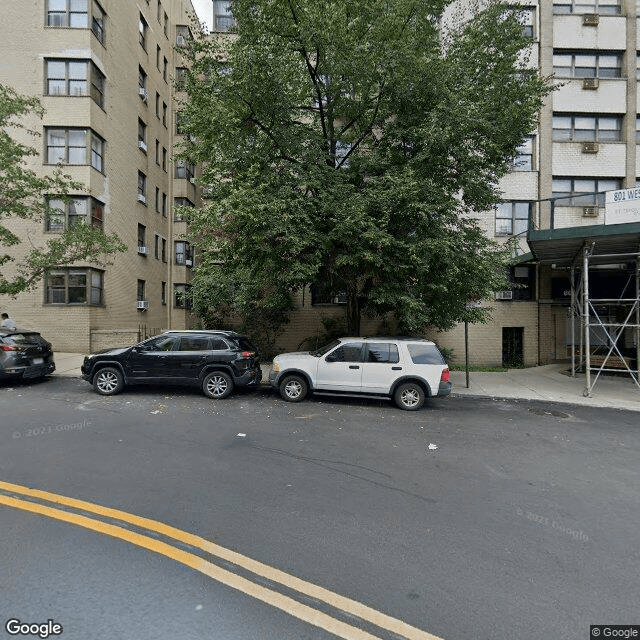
pixel 23 195
pixel 353 142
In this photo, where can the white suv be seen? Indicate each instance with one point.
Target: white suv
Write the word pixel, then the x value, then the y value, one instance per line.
pixel 405 369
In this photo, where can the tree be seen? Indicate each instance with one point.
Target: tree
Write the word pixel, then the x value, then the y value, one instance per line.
pixel 350 143
pixel 23 195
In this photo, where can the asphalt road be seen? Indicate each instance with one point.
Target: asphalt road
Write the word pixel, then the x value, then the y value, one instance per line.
pixel 469 519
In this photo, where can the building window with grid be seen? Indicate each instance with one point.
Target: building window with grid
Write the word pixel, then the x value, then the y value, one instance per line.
pixel 587 128
pixel 512 218
pixel 163 293
pixel 63 213
pixel 98 18
pixel 223 19
pixel 142 135
pixel 142 187
pixel 570 64
pixel 74 286
pixel 182 250
pixel 181 296
pixel 184 170
pixel 523 160
pixel 143 27
pixel 67 13
pixel 183 35
pixel 602 7
pixel 582 191
pixel 526 17
pixel 74 78
pixel 142 84
pixel 141 290
pixel 142 236
pixel 75 147
pixel 179 214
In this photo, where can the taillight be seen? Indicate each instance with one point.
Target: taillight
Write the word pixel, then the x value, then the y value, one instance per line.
pixel 6 347
pixel 444 376
pixel 248 354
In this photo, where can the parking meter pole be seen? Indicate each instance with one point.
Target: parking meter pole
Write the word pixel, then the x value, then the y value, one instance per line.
pixel 466 351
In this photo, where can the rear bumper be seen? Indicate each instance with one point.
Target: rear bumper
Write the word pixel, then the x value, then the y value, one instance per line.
pixel 444 389
pixel 28 372
pixel 251 378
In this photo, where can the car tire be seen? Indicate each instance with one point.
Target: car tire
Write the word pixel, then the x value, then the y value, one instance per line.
pixel 108 381
pixel 293 388
pixel 217 385
pixel 409 396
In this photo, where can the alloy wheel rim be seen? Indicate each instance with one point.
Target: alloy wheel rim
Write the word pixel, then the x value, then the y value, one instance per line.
pixel 217 386
pixel 410 398
pixel 293 389
pixel 107 382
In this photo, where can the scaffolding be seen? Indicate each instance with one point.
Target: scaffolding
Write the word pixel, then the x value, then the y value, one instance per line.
pixel 616 321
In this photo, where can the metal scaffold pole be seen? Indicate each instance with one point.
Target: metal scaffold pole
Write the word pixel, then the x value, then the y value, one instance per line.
pixel 585 323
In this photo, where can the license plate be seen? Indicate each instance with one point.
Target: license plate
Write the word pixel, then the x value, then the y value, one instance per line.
pixel 37 361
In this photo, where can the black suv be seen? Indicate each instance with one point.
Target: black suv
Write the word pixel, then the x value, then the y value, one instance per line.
pixel 24 354
pixel 214 361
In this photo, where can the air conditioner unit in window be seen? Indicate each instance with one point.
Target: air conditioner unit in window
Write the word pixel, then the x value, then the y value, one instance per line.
pixel 590 147
pixel 142 92
pixel 180 41
pixel 590 212
pixel 142 198
pixel 142 250
pixel 590 83
pixel 142 145
pixel 189 263
pixel 143 305
pixel 504 295
pixel 590 20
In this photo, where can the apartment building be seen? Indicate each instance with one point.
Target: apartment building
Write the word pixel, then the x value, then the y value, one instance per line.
pixel 104 72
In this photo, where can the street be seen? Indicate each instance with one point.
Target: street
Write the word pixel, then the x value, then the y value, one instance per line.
pixel 472 518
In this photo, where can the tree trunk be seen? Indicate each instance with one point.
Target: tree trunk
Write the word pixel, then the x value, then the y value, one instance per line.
pixel 353 312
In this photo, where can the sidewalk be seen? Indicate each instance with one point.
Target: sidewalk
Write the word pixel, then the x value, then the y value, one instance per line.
pixel 548 383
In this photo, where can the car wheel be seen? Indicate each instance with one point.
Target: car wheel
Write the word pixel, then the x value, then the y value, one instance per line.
pixel 217 385
pixel 293 388
pixel 409 396
pixel 108 381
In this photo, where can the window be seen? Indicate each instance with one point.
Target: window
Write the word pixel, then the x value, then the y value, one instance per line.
pixel 142 186
pixel 164 250
pixel 76 210
pixel 512 218
pixel 587 128
pixel 181 296
pixel 180 215
pixel 67 13
pixel 142 234
pixel 158 56
pixel 157 104
pixel 165 24
pixel 163 293
pixel 602 7
pixel 142 135
pixel 164 205
pixel 142 28
pixel 194 343
pixel 524 276
pixel 587 65
pixel 157 200
pixel 638 129
pixel 97 22
pixel 382 352
pixel 583 191
pixel 181 75
pixel 182 251
pixel 184 170
pixel 183 35
pixel 164 114
pixel 74 286
pixel 164 158
pixel 422 353
pixel 165 67
pixel 526 17
pixel 349 352
pixel 142 83
pixel 71 78
pixel 160 343
pixel 157 152
pixel 523 160
pixel 141 290
pixel 156 246
pixel 159 12
pixel 75 147
pixel 222 17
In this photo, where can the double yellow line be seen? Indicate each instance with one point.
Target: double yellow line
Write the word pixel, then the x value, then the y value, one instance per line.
pixel 274 598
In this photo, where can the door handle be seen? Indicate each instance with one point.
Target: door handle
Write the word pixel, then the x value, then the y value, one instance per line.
pixel 353 366
pixel 396 368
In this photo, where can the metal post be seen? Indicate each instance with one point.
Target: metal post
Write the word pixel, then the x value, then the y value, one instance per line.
pixel 585 315
pixel 466 350
pixel 638 318
pixel 573 322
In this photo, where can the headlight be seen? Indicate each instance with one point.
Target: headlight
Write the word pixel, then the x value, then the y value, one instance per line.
pixel 276 367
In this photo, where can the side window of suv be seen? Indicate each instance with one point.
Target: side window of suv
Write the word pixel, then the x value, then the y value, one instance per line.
pixel 350 352
pixel 218 344
pixel 161 343
pixel 382 352
pixel 425 354
pixel 194 343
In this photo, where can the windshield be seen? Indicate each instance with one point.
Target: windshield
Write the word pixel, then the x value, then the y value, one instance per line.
pixel 320 352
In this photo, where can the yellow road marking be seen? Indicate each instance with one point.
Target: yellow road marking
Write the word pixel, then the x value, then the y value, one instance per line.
pixel 275 575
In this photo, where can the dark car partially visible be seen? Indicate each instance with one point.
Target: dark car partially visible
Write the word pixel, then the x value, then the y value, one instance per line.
pixel 24 355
